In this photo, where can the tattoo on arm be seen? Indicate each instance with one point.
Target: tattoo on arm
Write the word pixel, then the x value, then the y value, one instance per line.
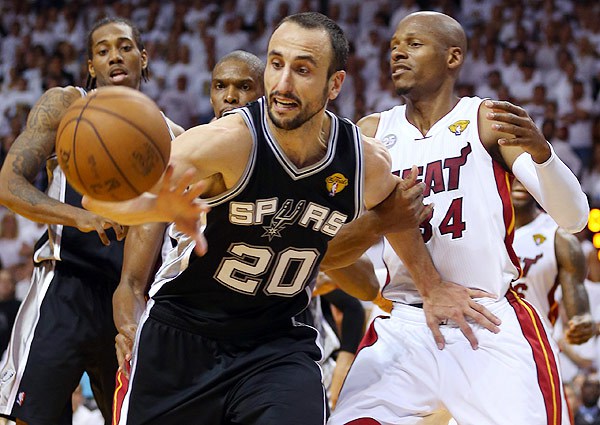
pixel 31 149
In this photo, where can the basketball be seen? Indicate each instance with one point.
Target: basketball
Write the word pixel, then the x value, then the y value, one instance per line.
pixel 113 144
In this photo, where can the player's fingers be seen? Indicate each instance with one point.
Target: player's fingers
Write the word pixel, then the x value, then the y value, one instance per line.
pixel 119 231
pixel 425 213
pixel 506 106
pixel 485 312
pixel 196 190
pixel 185 181
pixel 483 317
pixel 467 331
pixel 434 326
pixel 201 244
pixel 103 236
pixel 478 293
pixel 411 178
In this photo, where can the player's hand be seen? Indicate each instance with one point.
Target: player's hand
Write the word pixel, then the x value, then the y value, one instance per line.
pixel 403 208
pixel 515 121
pixel 581 328
pixel 89 222
pixel 124 346
pixel 450 302
pixel 181 202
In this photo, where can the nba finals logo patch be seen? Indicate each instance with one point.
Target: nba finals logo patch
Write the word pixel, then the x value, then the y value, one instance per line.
pixel 336 183
pixel 539 239
pixel 459 126
pixel 389 140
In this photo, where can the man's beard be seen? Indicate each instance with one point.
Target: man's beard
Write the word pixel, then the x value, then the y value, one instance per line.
pixel 302 117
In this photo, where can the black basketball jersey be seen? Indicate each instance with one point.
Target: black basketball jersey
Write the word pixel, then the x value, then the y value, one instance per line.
pixel 69 245
pixel 266 237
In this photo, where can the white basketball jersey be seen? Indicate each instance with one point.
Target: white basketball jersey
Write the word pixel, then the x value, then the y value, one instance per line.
pixel 470 233
pixel 534 245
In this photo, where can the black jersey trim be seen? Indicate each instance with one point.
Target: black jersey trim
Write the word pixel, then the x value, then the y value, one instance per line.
pixel 245 178
pixel 289 166
pixel 360 177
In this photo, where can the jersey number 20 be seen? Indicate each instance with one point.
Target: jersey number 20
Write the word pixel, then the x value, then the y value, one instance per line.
pixel 247 269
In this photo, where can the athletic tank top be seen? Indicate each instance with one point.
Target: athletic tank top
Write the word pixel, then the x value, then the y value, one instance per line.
pixel 471 231
pixel 70 246
pixel 266 237
pixel 534 244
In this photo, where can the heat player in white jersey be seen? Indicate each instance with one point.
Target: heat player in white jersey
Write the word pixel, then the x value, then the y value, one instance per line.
pixel 550 257
pixel 416 367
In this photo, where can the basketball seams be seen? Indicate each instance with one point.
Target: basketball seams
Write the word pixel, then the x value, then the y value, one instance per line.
pixel 87 101
pixel 109 155
pixel 131 147
pixel 136 126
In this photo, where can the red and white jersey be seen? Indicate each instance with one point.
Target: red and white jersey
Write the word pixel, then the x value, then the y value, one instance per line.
pixel 534 245
pixel 470 233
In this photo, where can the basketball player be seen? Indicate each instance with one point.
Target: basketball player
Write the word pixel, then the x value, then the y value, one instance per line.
pixel 217 342
pixel 550 256
pixel 65 324
pixel 237 79
pixel 409 369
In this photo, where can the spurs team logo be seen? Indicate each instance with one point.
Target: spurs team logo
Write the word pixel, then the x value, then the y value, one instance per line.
pixel 459 126
pixel 336 183
pixel 389 140
pixel 539 239
pixel 285 216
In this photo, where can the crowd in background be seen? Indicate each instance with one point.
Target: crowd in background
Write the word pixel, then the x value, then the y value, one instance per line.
pixel 541 54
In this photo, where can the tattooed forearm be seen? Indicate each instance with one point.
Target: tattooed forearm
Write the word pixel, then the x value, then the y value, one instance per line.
pixel 29 152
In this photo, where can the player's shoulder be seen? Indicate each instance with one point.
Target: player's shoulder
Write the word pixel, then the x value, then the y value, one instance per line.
pixel 368 124
pixel 62 95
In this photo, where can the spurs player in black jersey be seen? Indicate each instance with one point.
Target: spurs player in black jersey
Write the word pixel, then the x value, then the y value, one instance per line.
pixel 65 325
pixel 218 342
pixel 237 79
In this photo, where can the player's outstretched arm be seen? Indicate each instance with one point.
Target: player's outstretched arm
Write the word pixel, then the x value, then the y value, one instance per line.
pixel 221 148
pixel 571 274
pixel 142 249
pixel 27 156
pixel 528 154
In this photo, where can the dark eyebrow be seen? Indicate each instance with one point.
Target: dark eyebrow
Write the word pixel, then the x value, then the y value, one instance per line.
pixel 120 40
pixel 308 58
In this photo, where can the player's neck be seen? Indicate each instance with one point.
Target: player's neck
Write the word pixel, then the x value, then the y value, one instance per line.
pixel 424 112
pixel 524 216
pixel 307 144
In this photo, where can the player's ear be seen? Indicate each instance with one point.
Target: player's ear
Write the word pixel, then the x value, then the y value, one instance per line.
pixel 144 56
pixel 455 57
pixel 335 84
pixel 91 69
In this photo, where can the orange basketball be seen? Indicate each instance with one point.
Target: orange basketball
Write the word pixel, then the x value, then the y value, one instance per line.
pixel 113 144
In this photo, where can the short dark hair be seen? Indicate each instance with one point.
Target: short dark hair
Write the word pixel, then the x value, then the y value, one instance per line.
pixel 137 38
pixel 339 42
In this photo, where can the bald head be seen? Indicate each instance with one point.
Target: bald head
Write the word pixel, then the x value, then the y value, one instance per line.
pixel 254 64
pixel 236 80
pixel 444 28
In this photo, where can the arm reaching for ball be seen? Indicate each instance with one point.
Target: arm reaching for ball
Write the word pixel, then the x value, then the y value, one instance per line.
pixel 221 148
